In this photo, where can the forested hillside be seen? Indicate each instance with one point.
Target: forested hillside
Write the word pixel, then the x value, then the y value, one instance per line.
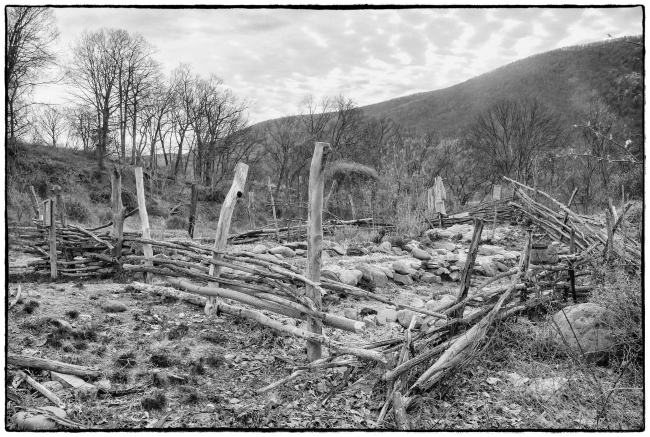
pixel 562 79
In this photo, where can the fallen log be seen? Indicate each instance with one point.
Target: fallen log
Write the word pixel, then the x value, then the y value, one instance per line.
pixel 56 366
pixel 42 390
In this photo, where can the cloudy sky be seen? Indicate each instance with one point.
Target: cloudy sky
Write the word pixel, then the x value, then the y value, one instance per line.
pixel 274 57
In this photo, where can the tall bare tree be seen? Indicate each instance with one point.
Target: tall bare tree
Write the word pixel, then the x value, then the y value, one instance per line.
pixel 50 123
pixel 31 35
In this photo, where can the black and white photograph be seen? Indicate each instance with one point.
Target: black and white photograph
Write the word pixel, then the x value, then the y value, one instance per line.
pixel 324 217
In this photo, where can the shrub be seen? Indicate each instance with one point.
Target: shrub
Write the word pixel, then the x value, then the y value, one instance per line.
pixel 78 210
pixel 176 222
pixel 156 210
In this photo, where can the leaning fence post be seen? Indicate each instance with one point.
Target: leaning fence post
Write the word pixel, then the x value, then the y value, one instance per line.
pixel 192 221
pixel 275 217
pixel 315 240
pixel 56 189
pixel 223 226
pixel 35 204
pixel 144 221
pixel 469 266
pixel 52 217
pixel 118 211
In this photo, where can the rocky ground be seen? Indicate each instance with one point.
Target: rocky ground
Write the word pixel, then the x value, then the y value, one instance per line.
pixel 164 359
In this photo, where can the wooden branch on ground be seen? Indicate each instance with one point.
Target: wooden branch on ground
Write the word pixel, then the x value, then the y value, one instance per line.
pixel 42 390
pixel 56 366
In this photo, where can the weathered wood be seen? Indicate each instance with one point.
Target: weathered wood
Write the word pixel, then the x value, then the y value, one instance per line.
pixel 566 214
pixel 60 204
pixel 38 387
pixel 401 419
pixel 572 272
pixel 469 266
pixel 144 220
pixel 291 377
pixel 118 211
pixel 52 238
pixel 315 240
pixel 93 236
pixel 494 225
pixel 275 217
pixel 332 189
pixel 38 214
pixel 106 225
pixel 193 201
pixel 56 366
pixel 223 226
pixel 274 324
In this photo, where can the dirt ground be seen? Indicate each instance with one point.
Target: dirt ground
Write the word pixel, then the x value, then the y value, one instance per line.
pixel 164 358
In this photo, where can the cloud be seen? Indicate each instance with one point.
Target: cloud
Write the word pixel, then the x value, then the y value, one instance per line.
pixel 276 56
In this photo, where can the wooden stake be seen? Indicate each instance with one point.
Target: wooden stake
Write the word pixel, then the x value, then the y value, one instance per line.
pixel 572 272
pixel 275 217
pixel 566 214
pixel 118 211
pixel 45 392
pixel 354 216
pixel 144 220
pixel 315 240
pixel 401 419
pixel 494 226
pixel 192 220
pixel 35 203
pixel 332 188
pixel 469 266
pixel 56 189
pixel 223 226
pixel 52 212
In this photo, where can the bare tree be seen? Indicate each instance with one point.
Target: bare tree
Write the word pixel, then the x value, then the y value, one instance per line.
pixel 83 126
pixel 509 135
pixel 31 34
pixel 50 123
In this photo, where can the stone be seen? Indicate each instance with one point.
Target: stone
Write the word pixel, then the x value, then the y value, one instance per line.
pixel 487 249
pixel 86 392
pixel 356 251
pixel 416 303
pixel 387 271
pixel 455 276
pixel 113 306
pixel 351 313
pixel 327 244
pixel 420 254
pixel 414 274
pixel 278 255
pixel 587 328
pixel 451 257
pixel 415 264
pixel 350 277
pixel 501 266
pixel 387 315
pixel 324 255
pixel 404 318
pixel 328 274
pixel 546 388
pixel 103 384
pixel 446 246
pixel 260 248
pixel 370 320
pixel 386 247
pixel 53 386
pixel 441 271
pixel 302 252
pixel 430 278
pixel 67 380
pixel 339 250
pixel 441 251
pixel 438 305
pixel 397 251
pixel 38 422
pixel 409 247
pixel 374 275
pixel 401 267
pixel 284 251
pixel 402 279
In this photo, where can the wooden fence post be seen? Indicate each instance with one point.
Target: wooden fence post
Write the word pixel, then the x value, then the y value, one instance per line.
pixel 249 208
pixel 223 226
pixel 60 205
pixel 275 217
pixel 194 199
pixel 118 211
pixel 469 266
pixel 572 272
pixel 315 240
pixel 35 203
pixel 144 221
pixel 52 212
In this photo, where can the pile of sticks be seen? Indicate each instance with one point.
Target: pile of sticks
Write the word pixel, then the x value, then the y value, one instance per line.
pixel 298 230
pixel 589 234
